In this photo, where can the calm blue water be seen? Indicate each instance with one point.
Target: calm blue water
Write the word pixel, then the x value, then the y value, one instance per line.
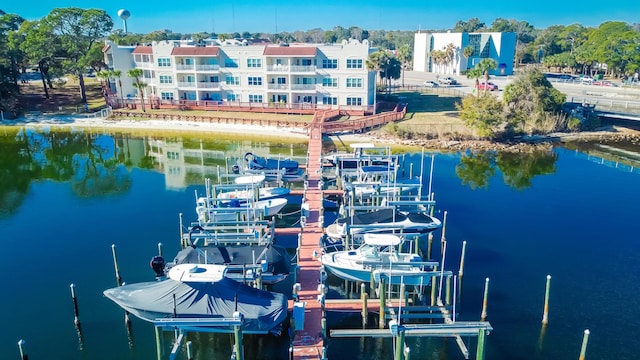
pixel 65 198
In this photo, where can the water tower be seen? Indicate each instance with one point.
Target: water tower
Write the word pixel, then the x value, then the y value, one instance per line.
pixel 124 15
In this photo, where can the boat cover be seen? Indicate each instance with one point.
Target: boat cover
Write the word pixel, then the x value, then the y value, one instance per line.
pixel 384 216
pixel 278 261
pixel 262 310
pixel 256 162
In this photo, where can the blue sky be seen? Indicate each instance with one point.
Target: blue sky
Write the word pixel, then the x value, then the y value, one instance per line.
pixel 287 15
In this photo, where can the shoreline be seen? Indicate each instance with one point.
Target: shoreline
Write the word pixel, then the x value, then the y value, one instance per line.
pixel 522 144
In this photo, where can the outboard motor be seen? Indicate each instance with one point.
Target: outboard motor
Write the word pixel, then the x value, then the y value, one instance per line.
pixel 235 169
pixel 157 264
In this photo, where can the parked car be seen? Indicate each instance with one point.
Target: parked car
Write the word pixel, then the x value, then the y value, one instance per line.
pixel 586 80
pixel 604 83
pixel 448 80
pixel 430 83
pixel 489 86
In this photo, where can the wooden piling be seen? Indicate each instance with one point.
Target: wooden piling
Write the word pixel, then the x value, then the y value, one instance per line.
pixel 545 313
pixel 115 265
pixel 238 348
pixel 158 343
pixel 23 354
pixel 383 301
pixel 363 298
pixel 482 333
pixel 76 319
pixel 159 249
pixel 182 241
pixel 407 353
pixel 429 245
pixel 483 316
pixel 400 344
pixel 464 250
pixel 585 339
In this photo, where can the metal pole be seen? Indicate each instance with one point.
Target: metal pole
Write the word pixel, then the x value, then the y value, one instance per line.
pixel 182 232
pixel 115 264
pixel 189 350
pixel 483 316
pixel 159 249
pixel 23 355
pixel 545 314
pixel 585 339
pixel 464 250
pixel 75 304
pixel 363 298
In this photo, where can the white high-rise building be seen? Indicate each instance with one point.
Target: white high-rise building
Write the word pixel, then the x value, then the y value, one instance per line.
pixel 237 72
pixel 495 45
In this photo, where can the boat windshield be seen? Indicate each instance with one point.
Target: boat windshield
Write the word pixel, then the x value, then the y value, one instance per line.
pixel 369 251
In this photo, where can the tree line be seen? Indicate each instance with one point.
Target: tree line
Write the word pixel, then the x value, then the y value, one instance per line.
pixel 70 41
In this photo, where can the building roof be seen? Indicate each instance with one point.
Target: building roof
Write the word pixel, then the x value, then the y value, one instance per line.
pixel 143 50
pixel 196 51
pixel 289 51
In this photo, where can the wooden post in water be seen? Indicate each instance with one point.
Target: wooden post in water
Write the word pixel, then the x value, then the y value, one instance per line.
pixel 464 250
pixel 482 333
pixel 363 298
pixel 23 355
pixel 433 289
pixel 238 348
pixel 400 344
pixel 407 353
pixel 189 350
pixel 545 313
pixel 323 324
pixel 383 302
pixel 158 343
pixel 372 284
pixel 483 316
pixel 447 293
pixel 115 265
pixel 429 245
pixel 76 319
pixel 444 228
pixel 411 171
pixel 181 232
pixel 585 339
pixel 159 249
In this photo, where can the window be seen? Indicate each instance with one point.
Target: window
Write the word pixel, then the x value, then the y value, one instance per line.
pixel 330 100
pixel 166 79
pixel 231 63
pixel 255 98
pixel 232 80
pixel 330 82
pixel 255 81
pixel 329 63
pixel 254 63
pixel 354 63
pixel 164 62
pixel 165 95
pixel 354 82
pixel 354 101
pixel 233 97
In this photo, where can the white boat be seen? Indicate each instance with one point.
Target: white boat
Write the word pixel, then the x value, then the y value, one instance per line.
pixel 386 220
pixel 200 293
pixel 378 255
pixel 233 209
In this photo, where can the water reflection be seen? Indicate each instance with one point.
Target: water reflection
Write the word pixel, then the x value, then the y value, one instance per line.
pixel 518 169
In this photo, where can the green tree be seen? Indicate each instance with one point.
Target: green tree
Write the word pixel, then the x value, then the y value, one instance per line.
pixel 78 30
pixel 519 168
pixel 136 74
pixel 485 65
pixel 533 104
pixel 483 114
pixel 467 52
pixel 404 56
pixel 475 74
pixel 476 168
pixel 473 25
pixel 118 75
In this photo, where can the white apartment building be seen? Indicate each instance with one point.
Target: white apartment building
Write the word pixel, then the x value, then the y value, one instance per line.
pixel 233 71
pixel 499 46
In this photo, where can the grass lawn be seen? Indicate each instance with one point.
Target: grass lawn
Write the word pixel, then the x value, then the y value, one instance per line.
pixel 64 98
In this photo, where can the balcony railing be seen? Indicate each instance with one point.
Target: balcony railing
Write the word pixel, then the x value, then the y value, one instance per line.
pixel 278 68
pixel 277 86
pixel 208 85
pixel 208 67
pixel 189 84
pixel 185 67
pixel 303 86
pixel 144 65
pixel 307 68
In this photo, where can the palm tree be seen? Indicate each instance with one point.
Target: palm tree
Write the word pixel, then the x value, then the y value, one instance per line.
pixel 118 75
pixel 136 74
pixel 104 76
pixel 476 74
pixel 467 52
pixel 378 62
pixel 485 65
pixel 404 56
pixel 450 54
pixel 438 58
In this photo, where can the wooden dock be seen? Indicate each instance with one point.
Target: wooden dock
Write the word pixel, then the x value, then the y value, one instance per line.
pixel 308 342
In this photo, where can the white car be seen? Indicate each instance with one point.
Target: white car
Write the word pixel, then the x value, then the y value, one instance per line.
pixel 448 81
pixel 586 80
pixel 429 83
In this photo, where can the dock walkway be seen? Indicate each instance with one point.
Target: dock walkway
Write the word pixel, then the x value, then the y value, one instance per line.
pixel 308 342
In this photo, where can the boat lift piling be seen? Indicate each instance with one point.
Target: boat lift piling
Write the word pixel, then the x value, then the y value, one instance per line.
pixel 76 319
pixel 23 354
pixel 583 349
pixel 115 265
pixel 483 315
pixel 464 250
pixel 545 313
pixel 159 249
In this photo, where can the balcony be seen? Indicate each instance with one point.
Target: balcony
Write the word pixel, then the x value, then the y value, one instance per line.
pixel 208 85
pixel 278 68
pixel 185 67
pixel 144 65
pixel 304 87
pixel 190 84
pixel 208 67
pixel 303 69
pixel 277 86
pixel 150 81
